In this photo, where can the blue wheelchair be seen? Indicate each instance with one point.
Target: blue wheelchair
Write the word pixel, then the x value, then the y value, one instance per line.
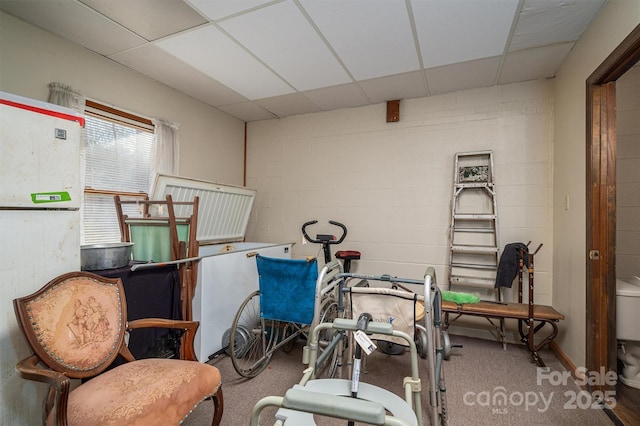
pixel 293 297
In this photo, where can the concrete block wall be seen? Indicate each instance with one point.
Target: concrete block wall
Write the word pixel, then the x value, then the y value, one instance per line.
pixel 391 183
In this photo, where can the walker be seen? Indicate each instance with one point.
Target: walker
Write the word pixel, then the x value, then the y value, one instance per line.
pixel 350 399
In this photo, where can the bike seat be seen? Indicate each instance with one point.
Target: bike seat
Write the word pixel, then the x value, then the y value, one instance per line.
pixel 348 254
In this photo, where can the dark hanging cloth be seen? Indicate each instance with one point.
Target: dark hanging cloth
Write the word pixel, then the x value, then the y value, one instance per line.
pixel 508 266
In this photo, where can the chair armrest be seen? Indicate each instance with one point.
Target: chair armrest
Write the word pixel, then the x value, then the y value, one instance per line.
pixel 28 369
pixel 190 328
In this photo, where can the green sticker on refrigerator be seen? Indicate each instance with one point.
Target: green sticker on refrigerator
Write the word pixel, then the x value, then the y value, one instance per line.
pixel 50 197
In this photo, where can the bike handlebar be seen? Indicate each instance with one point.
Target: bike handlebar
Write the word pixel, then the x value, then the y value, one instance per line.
pixel 319 240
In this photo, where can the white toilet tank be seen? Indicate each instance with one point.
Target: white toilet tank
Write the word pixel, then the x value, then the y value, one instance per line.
pixel 628 309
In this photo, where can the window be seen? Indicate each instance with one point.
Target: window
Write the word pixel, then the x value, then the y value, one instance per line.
pixel 117 160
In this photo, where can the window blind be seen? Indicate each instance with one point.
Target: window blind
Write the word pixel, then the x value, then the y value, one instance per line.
pixel 117 160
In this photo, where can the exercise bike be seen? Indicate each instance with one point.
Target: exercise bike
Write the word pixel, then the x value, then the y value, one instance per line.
pixel 332 308
pixel 327 240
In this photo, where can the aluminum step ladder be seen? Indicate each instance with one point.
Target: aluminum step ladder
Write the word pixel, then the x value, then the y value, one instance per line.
pixel 473 254
pixel 474 251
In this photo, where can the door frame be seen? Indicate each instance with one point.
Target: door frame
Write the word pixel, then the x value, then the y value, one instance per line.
pixel 601 203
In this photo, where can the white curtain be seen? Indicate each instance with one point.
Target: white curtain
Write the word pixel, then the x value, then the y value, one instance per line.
pixel 166 149
pixel 61 94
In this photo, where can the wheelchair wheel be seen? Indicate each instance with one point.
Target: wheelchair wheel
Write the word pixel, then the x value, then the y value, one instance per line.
pixel 328 312
pixel 253 339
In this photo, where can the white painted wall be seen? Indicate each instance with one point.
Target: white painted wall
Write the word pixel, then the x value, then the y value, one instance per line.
pixel 613 24
pixel 391 183
pixel 628 175
pixel 211 147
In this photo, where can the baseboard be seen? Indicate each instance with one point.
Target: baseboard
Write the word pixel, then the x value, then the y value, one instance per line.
pixel 580 378
pixel 566 361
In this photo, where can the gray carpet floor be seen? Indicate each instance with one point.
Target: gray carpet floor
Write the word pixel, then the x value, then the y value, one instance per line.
pixel 486 385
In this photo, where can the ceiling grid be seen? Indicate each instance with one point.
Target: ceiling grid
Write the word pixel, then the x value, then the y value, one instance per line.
pixel 260 59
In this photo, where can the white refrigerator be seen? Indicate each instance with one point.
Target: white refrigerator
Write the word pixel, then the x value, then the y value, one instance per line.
pixel 39 226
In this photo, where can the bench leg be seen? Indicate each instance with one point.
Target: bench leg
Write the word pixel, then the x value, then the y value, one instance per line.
pixel 499 329
pixel 528 338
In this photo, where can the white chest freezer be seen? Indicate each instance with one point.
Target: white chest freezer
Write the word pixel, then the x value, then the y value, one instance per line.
pixel 227 271
pixel 224 282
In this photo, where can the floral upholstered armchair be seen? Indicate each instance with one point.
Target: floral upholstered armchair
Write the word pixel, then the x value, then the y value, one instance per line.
pixel 76 326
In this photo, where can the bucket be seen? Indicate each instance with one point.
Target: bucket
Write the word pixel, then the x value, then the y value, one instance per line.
pixel 96 257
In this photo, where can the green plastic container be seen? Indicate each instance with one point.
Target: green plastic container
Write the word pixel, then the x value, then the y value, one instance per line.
pixel 152 240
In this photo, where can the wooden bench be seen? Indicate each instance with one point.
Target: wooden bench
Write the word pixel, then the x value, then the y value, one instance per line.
pixel 531 318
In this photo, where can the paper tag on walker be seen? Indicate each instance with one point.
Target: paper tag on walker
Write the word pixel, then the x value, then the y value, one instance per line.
pixel 365 343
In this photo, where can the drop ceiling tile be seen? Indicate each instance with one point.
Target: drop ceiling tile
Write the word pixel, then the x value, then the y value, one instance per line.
pixel 166 68
pixel 545 22
pixel 336 97
pixel 462 30
pixel 89 28
pixel 533 64
pixel 462 76
pixel 219 9
pixel 151 19
pixel 210 51
pixel 399 86
pixel 372 38
pixel 303 60
pixel 247 111
pixel 287 105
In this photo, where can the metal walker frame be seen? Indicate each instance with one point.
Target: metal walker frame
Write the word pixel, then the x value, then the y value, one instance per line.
pixel 326 396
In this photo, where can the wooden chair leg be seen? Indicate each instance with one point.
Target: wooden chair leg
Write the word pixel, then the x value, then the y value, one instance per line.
pixel 218 403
